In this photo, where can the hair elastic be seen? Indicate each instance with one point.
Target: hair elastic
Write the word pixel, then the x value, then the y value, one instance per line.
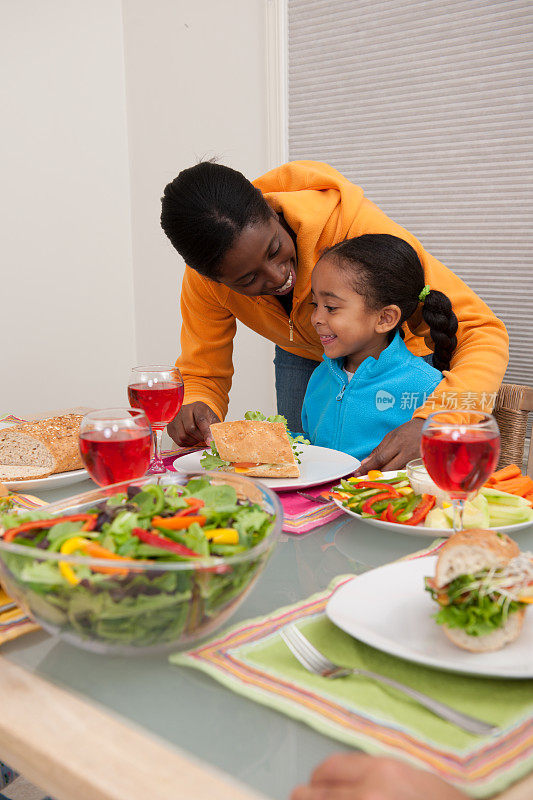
pixel 424 293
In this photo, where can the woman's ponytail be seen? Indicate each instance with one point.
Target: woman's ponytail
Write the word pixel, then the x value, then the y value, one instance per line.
pixel 438 314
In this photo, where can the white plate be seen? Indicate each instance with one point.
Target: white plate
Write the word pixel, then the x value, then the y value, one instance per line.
pixel 389 609
pixel 55 481
pixel 421 530
pixel 318 465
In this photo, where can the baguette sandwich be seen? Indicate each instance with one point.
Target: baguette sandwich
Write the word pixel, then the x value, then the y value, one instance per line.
pixel 256 447
pixel 483 585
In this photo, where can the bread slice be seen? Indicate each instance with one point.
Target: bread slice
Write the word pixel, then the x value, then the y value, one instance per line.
pixel 491 641
pixel 11 473
pixel 471 551
pixel 265 445
pixel 49 446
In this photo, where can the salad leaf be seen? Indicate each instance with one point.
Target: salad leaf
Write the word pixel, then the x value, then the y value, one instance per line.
pixel 212 460
pixel 472 611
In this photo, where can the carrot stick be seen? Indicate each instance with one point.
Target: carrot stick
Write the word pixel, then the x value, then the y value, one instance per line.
pixel 510 471
pixel 519 486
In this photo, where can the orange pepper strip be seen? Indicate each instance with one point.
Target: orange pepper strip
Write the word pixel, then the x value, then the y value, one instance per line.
pixel 177 523
pixel 97 551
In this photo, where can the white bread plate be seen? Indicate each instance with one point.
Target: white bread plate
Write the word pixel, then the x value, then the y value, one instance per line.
pixel 55 480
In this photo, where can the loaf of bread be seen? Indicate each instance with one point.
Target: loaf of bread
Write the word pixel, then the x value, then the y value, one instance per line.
pixel 38 449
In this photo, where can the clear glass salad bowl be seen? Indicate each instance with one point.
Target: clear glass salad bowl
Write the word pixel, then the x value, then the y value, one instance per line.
pixel 144 598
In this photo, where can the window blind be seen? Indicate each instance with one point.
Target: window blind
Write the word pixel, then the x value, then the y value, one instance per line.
pixel 426 104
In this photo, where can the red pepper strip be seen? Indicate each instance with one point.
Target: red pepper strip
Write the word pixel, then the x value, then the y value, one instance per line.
pixel 383 515
pixel 177 523
pixel 420 511
pixel 367 505
pixel 389 514
pixel 10 534
pixel 156 540
pixel 193 504
pixel 385 487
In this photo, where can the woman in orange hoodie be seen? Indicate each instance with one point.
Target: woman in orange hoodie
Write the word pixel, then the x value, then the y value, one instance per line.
pixel 250 250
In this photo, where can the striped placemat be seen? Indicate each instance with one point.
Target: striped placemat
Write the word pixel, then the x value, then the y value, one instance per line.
pixel 252 660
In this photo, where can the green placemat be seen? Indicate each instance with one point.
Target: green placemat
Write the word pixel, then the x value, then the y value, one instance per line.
pixel 253 660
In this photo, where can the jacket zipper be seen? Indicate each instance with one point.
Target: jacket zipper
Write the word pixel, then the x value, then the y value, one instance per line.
pixel 339 396
pixel 291 330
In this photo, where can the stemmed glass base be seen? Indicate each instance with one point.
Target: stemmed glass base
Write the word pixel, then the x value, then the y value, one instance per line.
pixel 458 504
pixel 156 466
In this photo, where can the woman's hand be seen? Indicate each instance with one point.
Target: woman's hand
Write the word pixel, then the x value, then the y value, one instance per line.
pixel 396 449
pixel 191 424
pixel 355 776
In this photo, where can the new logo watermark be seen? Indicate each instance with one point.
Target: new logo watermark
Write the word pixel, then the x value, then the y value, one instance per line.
pixel 384 400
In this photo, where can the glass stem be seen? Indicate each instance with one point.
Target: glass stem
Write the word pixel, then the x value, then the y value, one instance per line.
pixel 458 507
pixel 158 437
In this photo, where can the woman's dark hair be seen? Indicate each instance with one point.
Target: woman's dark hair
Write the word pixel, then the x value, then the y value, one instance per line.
pixel 385 270
pixel 205 208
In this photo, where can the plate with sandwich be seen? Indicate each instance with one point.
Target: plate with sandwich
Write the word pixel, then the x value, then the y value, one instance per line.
pixel 42 454
pixel 465 610
pixel 263 448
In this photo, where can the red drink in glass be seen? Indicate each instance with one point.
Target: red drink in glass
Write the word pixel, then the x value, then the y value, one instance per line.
pixel 122 457
pixel 160 401
pixel 159 391
pixel 460 450
pixel 460 463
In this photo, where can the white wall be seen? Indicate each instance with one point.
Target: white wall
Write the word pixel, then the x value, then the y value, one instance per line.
pixel 66 272
pixel 196 87
pixel 90 284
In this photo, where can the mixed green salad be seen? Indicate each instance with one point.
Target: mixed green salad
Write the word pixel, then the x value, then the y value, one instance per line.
pixel 199 524
pixel 211 460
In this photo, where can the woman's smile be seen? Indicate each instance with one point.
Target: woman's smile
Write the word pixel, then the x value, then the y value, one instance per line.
pixel 289 283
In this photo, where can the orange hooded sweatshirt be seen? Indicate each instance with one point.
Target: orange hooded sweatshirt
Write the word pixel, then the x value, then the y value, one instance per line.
pixel 322 208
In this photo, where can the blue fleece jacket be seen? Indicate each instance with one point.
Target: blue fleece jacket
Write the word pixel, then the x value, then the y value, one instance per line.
pixel 354 416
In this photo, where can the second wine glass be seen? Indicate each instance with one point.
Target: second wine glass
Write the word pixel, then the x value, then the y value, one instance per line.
pixel 460 450
pixel 115 444
pixel 158 390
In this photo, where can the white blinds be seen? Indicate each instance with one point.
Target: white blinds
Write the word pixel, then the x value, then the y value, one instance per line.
pixel 426 104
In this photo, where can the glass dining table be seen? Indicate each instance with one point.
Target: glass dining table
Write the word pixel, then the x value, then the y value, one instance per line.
pixel 183 710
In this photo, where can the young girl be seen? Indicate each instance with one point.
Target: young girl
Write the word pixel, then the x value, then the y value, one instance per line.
pixel 369 383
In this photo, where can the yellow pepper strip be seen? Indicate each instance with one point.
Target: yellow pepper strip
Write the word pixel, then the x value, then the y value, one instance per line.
pixel 88 548
pixel 353 480
pixel 405 490
pixel 67 548
pixel 374 474
pixel 223 536
pixel 445 504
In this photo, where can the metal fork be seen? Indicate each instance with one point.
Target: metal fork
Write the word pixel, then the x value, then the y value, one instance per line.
pixel 314 661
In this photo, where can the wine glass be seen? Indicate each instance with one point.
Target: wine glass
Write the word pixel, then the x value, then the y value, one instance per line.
pixel 115 444
pixel 159 391
pixel 460 450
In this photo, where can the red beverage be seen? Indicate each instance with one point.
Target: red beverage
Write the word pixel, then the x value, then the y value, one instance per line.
pixel 460 462
pixel 160 401
pixel 110 460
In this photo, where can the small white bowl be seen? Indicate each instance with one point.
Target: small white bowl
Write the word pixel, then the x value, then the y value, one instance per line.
pixel 422 483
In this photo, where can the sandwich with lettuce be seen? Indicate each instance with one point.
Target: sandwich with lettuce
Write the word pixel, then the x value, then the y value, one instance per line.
pixel 258 446
pixel 483 584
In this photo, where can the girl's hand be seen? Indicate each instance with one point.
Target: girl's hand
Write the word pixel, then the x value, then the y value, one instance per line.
pixel 355 776
pixel 397 448
pixel 191 424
